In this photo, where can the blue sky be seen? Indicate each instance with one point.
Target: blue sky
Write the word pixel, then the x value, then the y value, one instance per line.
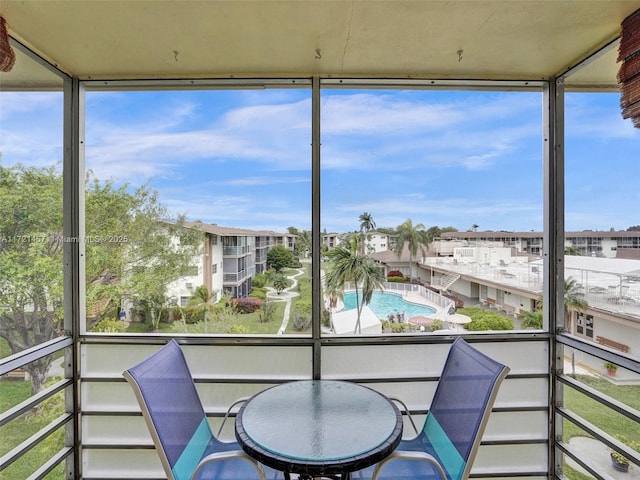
pixel 242 158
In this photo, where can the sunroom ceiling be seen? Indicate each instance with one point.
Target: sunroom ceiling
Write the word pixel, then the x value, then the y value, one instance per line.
pixel 434 39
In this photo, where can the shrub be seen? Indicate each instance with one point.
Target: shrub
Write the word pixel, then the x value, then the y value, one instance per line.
pixel 260 293
pixel 531 319
pixel 191 314
pixel 303 305
pixel 301 321
pixel 267 311
pixel 486 320
pixel 304 286
pixel 175 313
pixel 403 327
pixel 109 326
pixel 396 327
pixel 247 304
pixel 280 282
pixel 260 280
pixel 395 273
pixel 396 279
pixel 237 329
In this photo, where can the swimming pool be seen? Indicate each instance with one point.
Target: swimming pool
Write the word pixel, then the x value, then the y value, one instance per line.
pixel 383 304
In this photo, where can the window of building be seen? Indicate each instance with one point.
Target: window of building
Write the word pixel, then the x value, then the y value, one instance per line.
pixel 584 325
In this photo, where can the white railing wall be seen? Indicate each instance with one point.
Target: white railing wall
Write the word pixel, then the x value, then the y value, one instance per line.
pixel 115 442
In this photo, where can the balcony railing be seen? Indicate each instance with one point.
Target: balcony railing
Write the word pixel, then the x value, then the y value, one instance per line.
pixel 236 277
pixel 236 251
pixel 113 441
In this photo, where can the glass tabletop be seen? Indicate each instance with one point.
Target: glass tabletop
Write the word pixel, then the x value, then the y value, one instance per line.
pixel 330 422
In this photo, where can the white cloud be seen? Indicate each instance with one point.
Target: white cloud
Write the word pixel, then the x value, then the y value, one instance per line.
pixel 262 181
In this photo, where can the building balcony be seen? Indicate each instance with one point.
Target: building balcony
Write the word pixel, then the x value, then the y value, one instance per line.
pixel 235 278
pixel 238 251
pixel 113 441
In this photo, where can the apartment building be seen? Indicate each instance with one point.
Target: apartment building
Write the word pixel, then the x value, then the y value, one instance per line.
pixel 377 242
pixel 231 257
pixel 595 243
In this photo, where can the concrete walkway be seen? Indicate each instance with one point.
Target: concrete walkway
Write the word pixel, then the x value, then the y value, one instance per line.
pixel 285 296
pixel 598 456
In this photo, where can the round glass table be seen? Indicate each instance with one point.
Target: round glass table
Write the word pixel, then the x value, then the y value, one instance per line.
pixel 319 427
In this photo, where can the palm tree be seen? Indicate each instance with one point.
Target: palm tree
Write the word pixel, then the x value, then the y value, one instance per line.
pixel 347 266
pixel 201 300
pixel 332 295
pixel 280 282
pixel 366 222
pixel 303 246
pixel 414 237
pixel 573 300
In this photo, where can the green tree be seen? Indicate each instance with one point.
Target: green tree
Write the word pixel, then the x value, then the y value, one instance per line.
pixel 573 300
pixel 226 313
pixel 200 300
pixel 131 252
pixel 482 320
pixel 531 319
pixel 331 296
pixel 413 238
pixel 280 282
pixel 144 250
pixel 366 222
pixel 366 225
pixel 267 311
pixel 303 246
pixel 279 257
pixel 31 281
pixel 348 267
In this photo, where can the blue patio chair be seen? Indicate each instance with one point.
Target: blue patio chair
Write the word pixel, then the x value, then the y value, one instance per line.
pixel 452 431
pixel 176 420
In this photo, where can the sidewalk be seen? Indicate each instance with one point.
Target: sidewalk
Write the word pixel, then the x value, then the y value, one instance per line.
pixel 598 456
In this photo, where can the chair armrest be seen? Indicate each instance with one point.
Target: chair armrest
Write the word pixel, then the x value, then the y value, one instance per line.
pixel 410 455
pixel 229 455
pixel 406 412
pixel 228 413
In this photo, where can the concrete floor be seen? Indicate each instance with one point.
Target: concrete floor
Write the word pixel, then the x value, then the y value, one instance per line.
pixel 598 455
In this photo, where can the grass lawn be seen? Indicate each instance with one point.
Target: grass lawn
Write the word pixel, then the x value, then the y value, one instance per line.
pixel 250 321
pixel 605 419
pixel 613 423
pixel 19 429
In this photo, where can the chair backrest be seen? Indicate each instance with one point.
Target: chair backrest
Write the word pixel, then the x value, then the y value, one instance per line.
pixel 461 406
pixel 172 410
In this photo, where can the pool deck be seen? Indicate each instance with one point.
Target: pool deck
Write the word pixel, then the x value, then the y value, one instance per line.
pixel 415 297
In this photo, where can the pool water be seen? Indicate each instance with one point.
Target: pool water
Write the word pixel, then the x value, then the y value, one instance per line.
pixel 383 304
